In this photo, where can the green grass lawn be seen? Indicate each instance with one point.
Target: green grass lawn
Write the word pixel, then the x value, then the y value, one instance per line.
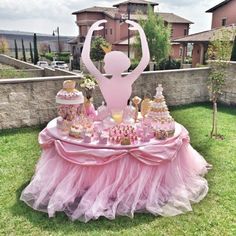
pixel 7 72
pixel 215 215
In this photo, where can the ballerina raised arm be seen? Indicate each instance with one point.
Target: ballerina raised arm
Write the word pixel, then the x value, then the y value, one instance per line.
pixel 145 52
pixel 86 51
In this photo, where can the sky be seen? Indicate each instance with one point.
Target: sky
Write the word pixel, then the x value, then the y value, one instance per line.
pixel 44 16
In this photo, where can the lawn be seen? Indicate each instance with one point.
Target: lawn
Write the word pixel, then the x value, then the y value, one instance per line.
pixel 7 72
pixel 215 215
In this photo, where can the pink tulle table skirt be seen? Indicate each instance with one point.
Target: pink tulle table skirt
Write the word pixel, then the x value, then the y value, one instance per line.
pixel 86 182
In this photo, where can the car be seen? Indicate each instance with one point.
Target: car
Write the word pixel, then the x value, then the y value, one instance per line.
pixel 59 65
pixel 42 64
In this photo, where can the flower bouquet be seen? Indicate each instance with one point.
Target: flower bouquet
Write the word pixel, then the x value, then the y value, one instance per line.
pixel 88 85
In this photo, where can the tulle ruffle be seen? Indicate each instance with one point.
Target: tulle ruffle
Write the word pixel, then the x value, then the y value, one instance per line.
pixel 120 187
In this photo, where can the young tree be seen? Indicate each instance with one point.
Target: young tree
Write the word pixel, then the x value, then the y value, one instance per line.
pixel 23 49
pixel 233 55
pixel 219 50
pixel 158 36
pixel 36 55
pixel 43 48
pixel 97 53
pixel 16 49
pixel 4 47
pixel 31 53
pixel 49 48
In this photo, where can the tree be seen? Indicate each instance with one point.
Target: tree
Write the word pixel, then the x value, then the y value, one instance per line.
pixel 233 55
pixel 31 53
pixel 158 36
pixel 23 49
pixel 4 46
pixel 49 48
pixel 220 51
pixel 16 49
pixel 97 53
pixel 36 55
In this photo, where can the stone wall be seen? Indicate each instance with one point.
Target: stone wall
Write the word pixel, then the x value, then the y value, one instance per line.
pixel 229 90
pixel 26 102
pixel 180 86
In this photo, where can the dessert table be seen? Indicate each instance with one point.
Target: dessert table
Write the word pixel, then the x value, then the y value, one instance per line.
pixel 87 181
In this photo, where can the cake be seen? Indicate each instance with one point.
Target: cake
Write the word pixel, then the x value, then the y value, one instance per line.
pixel 77 131
pixel 83 126
pixel 123 134
pixel 68 95
pixel 63 125
pixel 160 115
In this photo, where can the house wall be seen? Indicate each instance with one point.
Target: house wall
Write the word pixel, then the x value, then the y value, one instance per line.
pixel 123 30
pixel 227 11
pixel 175 51
pixel 111 30
pixel 178 30
pixel 196 54
pixel 85 19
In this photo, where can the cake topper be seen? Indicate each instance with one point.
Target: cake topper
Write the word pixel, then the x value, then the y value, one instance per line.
pixel 69 85
pixel 117 90
pixel 159 91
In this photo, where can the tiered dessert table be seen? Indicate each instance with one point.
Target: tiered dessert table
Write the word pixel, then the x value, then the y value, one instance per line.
pixel 87 181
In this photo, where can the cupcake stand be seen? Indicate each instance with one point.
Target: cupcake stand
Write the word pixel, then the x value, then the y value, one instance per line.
pixel 100 175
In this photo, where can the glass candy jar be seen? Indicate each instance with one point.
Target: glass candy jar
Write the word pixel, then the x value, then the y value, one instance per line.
pixel 68 100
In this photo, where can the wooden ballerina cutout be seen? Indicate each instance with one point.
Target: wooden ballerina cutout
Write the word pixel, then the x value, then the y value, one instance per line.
pixel 117 90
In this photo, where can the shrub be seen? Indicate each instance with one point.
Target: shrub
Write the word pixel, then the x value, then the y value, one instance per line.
pixel 50 56
pixel 4 46
pixel 169 64
pixel 97 53
pixel 134 64
pixel 63 56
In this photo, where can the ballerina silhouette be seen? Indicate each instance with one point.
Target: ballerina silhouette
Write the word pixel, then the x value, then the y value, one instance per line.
pixel 116 90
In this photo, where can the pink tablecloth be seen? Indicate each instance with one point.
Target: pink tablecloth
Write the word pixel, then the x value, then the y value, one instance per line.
pixel 87 182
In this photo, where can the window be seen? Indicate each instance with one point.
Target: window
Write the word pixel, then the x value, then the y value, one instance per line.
pixel 172 31
pixel 223 23
pixel 185 32
pixel 105 31
pixel 110 31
